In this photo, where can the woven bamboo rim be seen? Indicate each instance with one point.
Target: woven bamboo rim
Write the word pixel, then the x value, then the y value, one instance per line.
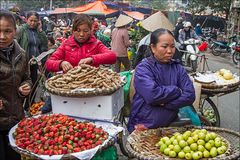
pixel 26 154
pixel 219 90
pixel 96 92
pixel 141 144
pixel 215 86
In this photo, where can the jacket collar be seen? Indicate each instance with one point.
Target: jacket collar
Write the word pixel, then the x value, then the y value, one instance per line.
pixel 72 41
pixel 154 61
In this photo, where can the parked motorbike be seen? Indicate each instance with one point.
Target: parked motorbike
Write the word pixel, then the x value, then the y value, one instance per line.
pixel 236 55
pixel 219 47
pixel 190 57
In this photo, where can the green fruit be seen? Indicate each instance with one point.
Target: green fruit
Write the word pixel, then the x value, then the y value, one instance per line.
pixel 224 148
pixel 218 143
pixel 167 142
pixel 175 142
pixel 213 152
pixel 172 154
pixel 165 139
pixel 194 146
pixel 201 142
pixel 172 139
pixel 177 148
pixel 166 151
pixel 200 154
pixel 212 143
pixel 163 147
pixel 181 155
pixel 206 154
pixel 171 147
pixel 220 150
pixel 187 149
pixel 188 156
pixel 196 156
pixel 201 135
pixel 213 135
pixel 208 146
pixel 207 137
pixel 182 143
pixel 179 138
pixel 195 138
pixel 204 131
pixel 201 148
pixel 190 141
pixel 159 144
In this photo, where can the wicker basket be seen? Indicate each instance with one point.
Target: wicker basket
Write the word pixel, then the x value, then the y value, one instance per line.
pixel 142 144
pixel 96 92
pixel 219 90
pixel 215 86
pixel 26 155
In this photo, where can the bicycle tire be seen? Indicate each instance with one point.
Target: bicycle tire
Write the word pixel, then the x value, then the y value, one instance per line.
pixel 215 113
pixel 236 58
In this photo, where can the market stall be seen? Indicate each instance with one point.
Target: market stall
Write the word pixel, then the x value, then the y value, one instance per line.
pixel 85 102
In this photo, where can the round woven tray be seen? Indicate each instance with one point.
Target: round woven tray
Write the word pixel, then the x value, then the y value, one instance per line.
pixel 219 90
pixel 215 86
pixel 26 155
pixel 96 92
pixel 141 144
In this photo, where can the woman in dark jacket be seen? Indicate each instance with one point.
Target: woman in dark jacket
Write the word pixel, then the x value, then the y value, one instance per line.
pixel 162 85
pixel 34 41
pixel 15 82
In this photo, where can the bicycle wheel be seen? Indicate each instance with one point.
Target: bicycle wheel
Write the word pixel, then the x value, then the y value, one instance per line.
pixel 209 110
pixel 122 140
pixel 204 121
pixel 236 58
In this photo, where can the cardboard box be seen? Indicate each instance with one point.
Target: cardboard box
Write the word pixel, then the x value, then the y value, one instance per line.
pixel 98 107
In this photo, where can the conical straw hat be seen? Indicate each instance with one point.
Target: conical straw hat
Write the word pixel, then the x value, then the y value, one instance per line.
pixel 123 20
pixel 156 21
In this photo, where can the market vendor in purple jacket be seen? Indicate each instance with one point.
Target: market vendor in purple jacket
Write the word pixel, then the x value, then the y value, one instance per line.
pixel 162 85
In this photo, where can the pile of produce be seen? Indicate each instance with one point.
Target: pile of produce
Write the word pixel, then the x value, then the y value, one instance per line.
pixel 195 144
pixel 35 109
pixel 57 134
pixel 225 75
pixel 85 76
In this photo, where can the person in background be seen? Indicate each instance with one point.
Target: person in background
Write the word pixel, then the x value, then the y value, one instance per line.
pixel 162 86
pixel 81 47
pixel 120 42
pixel 185 34
pixel 34 41
pixel 198 30
pixel 178 27
pixel 15 83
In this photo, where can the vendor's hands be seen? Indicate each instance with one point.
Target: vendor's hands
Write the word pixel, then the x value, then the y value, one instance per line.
pixel 88 60
pixel 24 89
pixel 65 66
pixel 140 127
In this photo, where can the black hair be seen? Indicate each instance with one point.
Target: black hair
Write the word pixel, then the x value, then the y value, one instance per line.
pixel 157 33
pixel 9 16
pixel 81 19
pixel 51 39
pixel 32 13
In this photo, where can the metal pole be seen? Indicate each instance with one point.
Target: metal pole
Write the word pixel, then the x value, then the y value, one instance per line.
pixel 50 5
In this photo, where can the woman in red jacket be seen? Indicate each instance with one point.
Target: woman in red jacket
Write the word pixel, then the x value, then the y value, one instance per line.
pixel 81 47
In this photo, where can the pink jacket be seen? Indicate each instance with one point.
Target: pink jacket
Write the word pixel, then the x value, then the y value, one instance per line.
pixel 72 52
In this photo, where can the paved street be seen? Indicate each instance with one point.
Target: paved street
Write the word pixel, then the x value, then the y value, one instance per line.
pixel 228 105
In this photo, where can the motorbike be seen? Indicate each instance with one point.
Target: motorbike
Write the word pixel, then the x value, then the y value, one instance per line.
pixel 219 47
pixel 190 57
pixel 236 55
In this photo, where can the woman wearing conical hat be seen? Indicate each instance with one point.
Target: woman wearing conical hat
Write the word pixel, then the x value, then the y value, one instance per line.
pixel 120 42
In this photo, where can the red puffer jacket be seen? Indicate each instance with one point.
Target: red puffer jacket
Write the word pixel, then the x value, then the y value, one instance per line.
pixel 72 52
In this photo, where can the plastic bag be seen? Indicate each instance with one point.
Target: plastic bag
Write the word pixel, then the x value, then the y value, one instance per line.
pixel 188 112
pixel 126 87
